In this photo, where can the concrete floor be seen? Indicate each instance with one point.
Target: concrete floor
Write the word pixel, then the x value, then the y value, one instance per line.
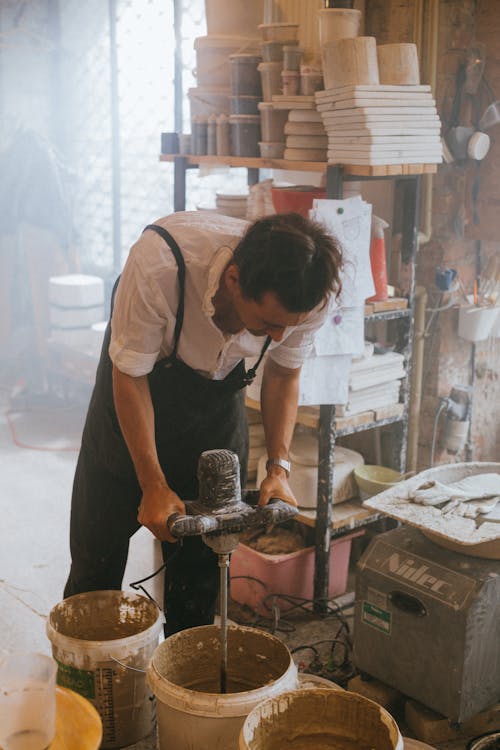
pixel 38 447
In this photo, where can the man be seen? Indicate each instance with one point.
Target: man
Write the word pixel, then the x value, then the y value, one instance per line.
pixel 199 293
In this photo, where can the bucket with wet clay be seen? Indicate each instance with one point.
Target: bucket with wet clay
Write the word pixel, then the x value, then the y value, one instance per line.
pixel 184 675
pixel 320 719
pixel 103 642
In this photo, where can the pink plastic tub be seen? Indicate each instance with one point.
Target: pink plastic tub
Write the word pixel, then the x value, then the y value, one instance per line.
pixel 291 574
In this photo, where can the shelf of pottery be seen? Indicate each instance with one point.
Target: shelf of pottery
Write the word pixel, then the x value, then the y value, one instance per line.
pixel 281 91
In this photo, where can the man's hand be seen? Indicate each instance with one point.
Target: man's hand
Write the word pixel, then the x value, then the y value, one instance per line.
pixel 276 485
pixel 157 505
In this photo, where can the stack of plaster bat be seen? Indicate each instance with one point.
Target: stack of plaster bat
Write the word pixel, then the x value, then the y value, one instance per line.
pixel 381 124
pixel 306 138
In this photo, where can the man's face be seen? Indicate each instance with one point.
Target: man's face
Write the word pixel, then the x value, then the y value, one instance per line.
pixel 267 317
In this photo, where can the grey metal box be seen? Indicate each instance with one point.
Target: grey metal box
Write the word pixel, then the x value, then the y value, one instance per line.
pixel 427 622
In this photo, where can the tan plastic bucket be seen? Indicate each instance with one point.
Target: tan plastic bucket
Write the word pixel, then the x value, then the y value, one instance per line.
pixel 242 17
pixel 350 62
pixel 320 719
pixel 337 23
pixel 103 641
pixel 184 674
pixel 212 58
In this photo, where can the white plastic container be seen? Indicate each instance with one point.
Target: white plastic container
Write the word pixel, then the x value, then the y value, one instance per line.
pixel 184 675
pixel 212 57
pixel 290 82
pixel 310 82
pixel 350 62
pixel 272 149
pixel 272 122
pixel 279 32
pixel 74 318
pixel 27 700
pixel 76 290
pixel 204 102
pixel 234 18
pixel 292 56
pixel 270 73
pixel 398 64
pixel 337 23
pixel 103 641
pixel 304 471
pixel 320 718
pixel 476 323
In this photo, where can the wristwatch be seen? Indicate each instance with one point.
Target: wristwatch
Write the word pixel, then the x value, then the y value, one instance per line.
pixel 279 462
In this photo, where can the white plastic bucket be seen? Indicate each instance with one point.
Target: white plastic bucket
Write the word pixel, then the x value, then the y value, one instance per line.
pixel 350 62
pixel 476 323
pixel 337 23
pixel 212 58
pixel 270 73
pixel 398 64
pixel 103 641
pixel 184 676
pixel 320 718
pixel 204 102
pixel 242 18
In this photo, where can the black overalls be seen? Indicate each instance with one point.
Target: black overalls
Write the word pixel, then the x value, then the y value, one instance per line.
pixel 192 414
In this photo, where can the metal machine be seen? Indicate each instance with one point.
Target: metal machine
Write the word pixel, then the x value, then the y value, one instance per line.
pixel 427 622
pixel 220 515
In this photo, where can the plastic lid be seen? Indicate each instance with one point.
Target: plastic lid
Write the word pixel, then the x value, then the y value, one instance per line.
pixel 219 40
pixel 338 12
pixel 478 146
pixel 245 57
pixel 244 118
pixel 282 44
pixel 280 25
pixel 270 65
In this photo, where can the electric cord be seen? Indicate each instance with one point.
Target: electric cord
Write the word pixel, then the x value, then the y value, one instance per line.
pixel 336 666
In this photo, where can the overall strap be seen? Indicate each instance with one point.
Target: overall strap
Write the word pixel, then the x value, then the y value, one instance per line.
pixel 250 374
pixel 176 251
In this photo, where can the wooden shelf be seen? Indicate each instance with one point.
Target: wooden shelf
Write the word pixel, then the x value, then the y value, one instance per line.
pixel 248 162
pixel 309 416
pixel 345 517
pixel 254 162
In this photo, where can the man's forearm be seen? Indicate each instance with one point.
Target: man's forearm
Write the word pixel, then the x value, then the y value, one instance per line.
pixel 135 413
pixel 279 396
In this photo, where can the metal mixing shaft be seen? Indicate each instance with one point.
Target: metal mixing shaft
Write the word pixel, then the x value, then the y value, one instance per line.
pixel 220 516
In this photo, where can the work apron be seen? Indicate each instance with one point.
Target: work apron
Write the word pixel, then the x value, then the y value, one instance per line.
pixel 192 414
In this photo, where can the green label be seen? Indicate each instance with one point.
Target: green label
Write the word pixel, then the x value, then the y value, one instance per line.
pixel 376 617
pixel 79 680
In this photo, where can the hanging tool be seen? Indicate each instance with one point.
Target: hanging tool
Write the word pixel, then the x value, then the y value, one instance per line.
pixel 220 515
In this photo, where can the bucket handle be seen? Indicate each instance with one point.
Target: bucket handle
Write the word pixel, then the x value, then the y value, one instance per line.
pixel 127 666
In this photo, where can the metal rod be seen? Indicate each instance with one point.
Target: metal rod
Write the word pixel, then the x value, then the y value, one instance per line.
pixel 224 566
pixel 115 137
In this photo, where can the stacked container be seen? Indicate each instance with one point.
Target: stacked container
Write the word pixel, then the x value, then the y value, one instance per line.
pixel 213 96
pixel 246 92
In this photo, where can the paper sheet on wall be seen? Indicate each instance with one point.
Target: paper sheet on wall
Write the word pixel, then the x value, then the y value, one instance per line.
pixel 325 380
pixel 350 222
pixel 342 333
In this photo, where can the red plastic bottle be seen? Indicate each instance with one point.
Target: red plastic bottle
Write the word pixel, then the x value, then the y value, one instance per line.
pixel 378 260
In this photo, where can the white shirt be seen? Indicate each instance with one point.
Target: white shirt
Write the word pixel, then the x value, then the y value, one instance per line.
pixel 147 298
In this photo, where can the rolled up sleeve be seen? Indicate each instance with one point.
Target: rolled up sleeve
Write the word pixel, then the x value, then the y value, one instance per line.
pixel 142 317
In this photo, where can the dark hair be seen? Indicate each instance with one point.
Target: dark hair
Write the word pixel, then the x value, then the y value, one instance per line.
pixel 291 256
